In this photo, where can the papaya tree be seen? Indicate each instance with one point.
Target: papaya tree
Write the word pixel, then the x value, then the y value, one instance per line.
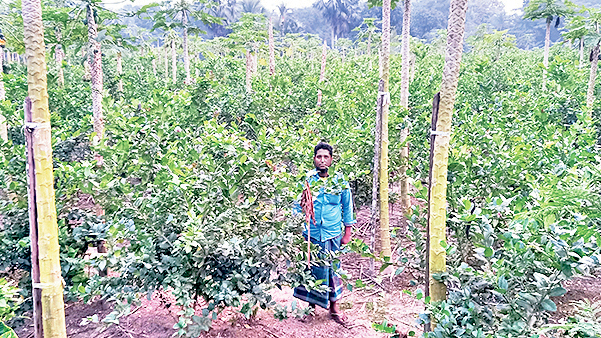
pixel 550 10
pixel 438 188
pixel 367 31
pixel 405 67
pixel 95 63
pixel 383 107
pixel 247 35
pixel 178 15
pixel 271 50
pixel 53 308
pixel 3 130
pixel 576 30
pixel 593 39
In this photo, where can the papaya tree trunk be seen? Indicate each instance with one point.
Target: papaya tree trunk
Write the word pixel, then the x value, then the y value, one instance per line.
pixel 590 94
pixel 546 53
pixel 581 52
pixel 322 73
pixel 438 188
pixel 86 66
pixel 96 73
pixel 271 50
pixel 119 72
pixel 384 75
pixel 405 54
pixel 248 71
pixel 3 128
pixel 59 55
pixel 53 308
pixel 185 47
pixel 166 63
pixel 173 62
pixel 375 177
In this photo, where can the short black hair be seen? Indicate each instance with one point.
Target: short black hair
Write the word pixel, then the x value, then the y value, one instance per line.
pixel 322 145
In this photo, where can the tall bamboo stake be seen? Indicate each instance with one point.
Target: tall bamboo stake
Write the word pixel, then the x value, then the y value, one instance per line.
pixel 33 229
pixel 53 310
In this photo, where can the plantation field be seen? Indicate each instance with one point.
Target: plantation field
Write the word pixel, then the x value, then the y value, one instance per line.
pixel 177 173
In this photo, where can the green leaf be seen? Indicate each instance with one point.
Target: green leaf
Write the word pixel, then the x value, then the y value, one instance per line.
pixel 488 252
pixel 558 291
pixel 503 283
pixel 6 332
pixel 548 305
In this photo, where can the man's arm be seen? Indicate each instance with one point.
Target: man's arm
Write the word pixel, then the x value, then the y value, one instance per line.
pixel 348 217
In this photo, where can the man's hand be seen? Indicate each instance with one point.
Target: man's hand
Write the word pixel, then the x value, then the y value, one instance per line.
pixel 347 236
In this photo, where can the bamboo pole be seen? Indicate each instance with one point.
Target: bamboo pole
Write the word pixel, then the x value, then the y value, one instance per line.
pixel 53 311
pixel 33 229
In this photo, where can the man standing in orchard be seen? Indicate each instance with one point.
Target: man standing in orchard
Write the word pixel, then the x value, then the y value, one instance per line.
pixel 330 213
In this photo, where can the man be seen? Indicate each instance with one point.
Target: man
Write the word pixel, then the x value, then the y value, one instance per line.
pixel 333 207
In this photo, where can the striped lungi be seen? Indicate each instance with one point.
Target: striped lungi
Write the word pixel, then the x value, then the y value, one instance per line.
pixel 326 273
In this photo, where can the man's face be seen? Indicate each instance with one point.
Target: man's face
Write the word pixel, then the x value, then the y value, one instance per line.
pixel 322 159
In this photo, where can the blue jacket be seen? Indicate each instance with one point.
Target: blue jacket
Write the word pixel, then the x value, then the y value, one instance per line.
pixel 333 205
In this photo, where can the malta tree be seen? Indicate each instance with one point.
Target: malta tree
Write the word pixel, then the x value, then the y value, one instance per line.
pixel 50 270
pixel 550 10
pixel 438 188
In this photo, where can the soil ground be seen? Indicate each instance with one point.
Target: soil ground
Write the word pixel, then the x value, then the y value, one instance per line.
pixel 381 300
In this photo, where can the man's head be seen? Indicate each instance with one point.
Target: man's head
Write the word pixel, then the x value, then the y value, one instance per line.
pixel 322 157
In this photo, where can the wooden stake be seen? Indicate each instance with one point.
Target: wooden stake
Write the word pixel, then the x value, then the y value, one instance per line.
pixel 33 223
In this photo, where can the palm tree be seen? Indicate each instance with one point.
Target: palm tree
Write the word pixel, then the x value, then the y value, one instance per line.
pixel 53 308
pixel 228 12
pixel 252 6
pixel 438 187
pixel 339 13
pixel 550 10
